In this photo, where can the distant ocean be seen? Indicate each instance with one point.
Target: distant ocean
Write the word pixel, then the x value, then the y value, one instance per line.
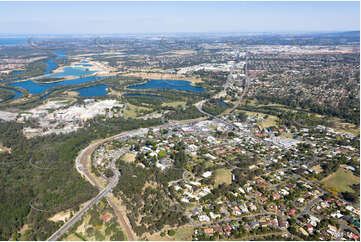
pixel 13 41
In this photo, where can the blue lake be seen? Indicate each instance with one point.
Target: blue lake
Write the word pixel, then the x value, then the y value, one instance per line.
pixel 83 61
pixel 71 71
pixel 37 88
pixel 85 65
pixel 14 73
pixel 50 64
pixel 92 91
pixel 168 84
pixel 13 41
pixel 17 93
pixel 140 95
pixel 220 102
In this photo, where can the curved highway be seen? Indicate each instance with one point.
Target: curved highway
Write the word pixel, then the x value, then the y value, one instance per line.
pixel 83 161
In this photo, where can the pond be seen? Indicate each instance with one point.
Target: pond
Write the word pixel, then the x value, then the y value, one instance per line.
pixel 220 102
pixel 168 84
pixel 37 88
pixel 84 65
pixel 50 64
pixel 92 91
pixel 17 93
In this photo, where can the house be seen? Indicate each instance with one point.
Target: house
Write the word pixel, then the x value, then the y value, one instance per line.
pixel 292 212
pixel 244 208
pixel 246 227
pixel 309 228
pixel 263 199
pixel 218 229
pixel 204 218
pixel 208 230
pixel 313 220
pixel 227 230
pixel 350 168
pixel 254 225
pixel 236 211
pixel 106 218
pixel 276 196
pixel 332 230
pixel 283 224
pixel 252 207
pixel 207 174
pixel 214 216
pixel 241 190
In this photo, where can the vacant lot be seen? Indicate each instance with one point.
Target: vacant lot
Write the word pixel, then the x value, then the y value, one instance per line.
pixel 129 157
pixel 341 180
pixel 133 111
pixel 223 176
pixel 183 233
pixel 175 104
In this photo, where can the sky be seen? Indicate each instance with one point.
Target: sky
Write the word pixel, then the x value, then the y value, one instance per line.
pixel 158 17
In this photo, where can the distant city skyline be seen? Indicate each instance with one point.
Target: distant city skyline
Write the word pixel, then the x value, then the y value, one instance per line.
pixel 172 17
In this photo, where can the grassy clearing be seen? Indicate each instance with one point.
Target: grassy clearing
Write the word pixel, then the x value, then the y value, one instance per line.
pixel 341 180
pixel 129 157
pixel 72 237
pixel 269 121
pixel 223 176
pixel 343 127
pixel 175 104
pixel 183 233
pixel 133 111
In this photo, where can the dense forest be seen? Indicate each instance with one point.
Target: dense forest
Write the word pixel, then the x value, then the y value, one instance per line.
pixel 38 177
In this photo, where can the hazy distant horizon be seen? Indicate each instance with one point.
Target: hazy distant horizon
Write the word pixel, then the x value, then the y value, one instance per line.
pixel 102 18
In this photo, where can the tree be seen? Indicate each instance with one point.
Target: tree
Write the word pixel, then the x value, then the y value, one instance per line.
pixel 171 232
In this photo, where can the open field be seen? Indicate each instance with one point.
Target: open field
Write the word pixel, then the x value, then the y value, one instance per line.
pixel 183 233
pixel 4 149
pixel 167 76
pixel 175 104
pixel 72 237
pixel 223 176
pixel 341 180
pixel 132 111
pixel 129 157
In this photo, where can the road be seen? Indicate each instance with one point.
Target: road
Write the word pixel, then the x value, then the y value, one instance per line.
pixel 82 163
pixel 113 182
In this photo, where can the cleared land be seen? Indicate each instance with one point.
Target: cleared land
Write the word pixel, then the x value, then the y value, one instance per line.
pixel 129 157
pixel 223 176
pixel 175 104
pixel 183 233
pixel 341 180
pixel 133 111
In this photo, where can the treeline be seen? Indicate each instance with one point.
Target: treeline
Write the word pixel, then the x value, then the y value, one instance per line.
pixel 214 107
pixel 150 207
pixel 348 108
pixel 40 172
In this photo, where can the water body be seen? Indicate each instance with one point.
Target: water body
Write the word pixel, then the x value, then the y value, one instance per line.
pixel 13 41
pixel 220 102
pixel 92 91
pixel 168 84
pixel 17 93
pixel 140 95
pixel 51 65
pixel 14 73
pixel 71 71
pixel 37 88
pixel 83 61
pixel 85 65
